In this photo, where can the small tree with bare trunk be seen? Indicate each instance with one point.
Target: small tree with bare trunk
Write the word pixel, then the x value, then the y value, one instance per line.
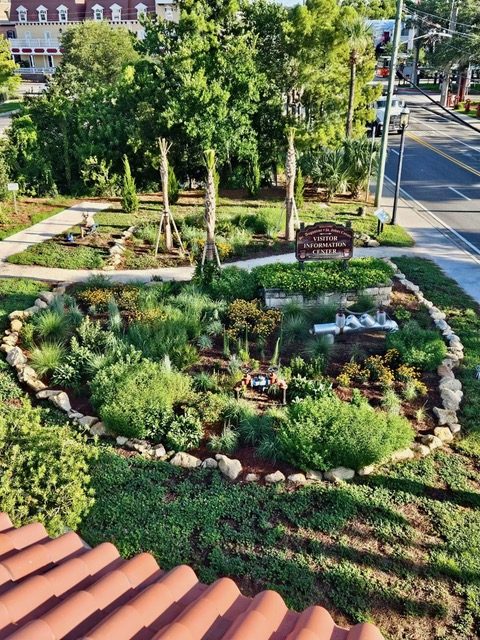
pixel 164 149
pixel 210 252
pixel 290 172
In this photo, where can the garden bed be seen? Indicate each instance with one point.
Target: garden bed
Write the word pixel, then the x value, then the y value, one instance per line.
pixel 30 211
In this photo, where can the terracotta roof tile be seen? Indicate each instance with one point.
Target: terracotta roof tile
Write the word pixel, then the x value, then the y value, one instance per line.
pixel 59 590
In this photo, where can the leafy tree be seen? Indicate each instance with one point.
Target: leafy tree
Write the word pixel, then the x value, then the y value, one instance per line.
pixel 252 177
pixel 129 191
pixel 9 82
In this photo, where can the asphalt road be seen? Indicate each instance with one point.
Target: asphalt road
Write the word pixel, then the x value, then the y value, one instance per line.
pixel 441 171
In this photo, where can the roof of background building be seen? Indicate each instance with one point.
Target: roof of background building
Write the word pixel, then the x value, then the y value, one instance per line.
pixel 52 589
pixel 79 10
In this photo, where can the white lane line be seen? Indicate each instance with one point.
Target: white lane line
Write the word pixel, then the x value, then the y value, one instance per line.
pixel 455 233
pixel 460 194
pixel 445 134
pixel 394 151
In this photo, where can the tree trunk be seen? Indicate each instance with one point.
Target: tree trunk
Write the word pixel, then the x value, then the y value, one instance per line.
pixel 290 171
pixel 164 148
pixel 210 214
pixel 351 95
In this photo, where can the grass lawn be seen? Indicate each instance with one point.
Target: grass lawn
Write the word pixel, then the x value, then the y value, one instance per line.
pixel 11 105
pixel 30 212
pixel 17 293
pixel 245 228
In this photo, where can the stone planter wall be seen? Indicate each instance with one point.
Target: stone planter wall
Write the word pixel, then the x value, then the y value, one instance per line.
pixel 276 298
pixel 447 415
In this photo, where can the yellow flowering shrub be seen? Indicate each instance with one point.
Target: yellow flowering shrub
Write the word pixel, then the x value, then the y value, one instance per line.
pixel 248 316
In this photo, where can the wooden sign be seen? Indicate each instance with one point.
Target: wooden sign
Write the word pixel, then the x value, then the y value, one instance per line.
pixel 324 241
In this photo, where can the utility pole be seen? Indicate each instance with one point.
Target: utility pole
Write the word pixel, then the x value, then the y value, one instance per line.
pixel 386 121
pixel 446 73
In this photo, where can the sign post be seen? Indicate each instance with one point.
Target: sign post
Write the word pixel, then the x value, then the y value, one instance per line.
pixel 382 217
pixel 13 186
pixel 324 241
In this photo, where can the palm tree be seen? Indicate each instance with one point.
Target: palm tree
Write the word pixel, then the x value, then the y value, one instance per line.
pixel 290 172
pixel 358 36
pixel 210 205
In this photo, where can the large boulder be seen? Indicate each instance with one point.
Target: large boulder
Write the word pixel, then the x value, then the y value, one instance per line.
pixel 209 463
pixel 87 421
pixel 339 474
pixel 315 476
pixel 297 478
pixel 46 296
pixel 451 384
pixel 185 460
pixel 445 416
pixel 16 325
pixel 16 357
pixel 274 478
pixel 421 450
pixel 443 433
pixel 401 455
pixel 41 304
pixel 26 373
pixel 230 468
pixel 432 442
pixel 62 401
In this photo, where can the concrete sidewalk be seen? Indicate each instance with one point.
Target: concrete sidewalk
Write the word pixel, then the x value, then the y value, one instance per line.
pixel 430 243
pixel 49 228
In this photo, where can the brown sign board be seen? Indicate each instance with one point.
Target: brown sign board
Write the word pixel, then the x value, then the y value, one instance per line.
pixel 324 241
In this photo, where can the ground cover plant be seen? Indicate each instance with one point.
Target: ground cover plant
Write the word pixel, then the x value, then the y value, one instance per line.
pixel 30 212
pixel 245 228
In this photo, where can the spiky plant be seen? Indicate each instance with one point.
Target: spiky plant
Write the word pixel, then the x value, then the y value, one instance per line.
pixel 47 357
pixel 294 329
pixel 51 325
pixel 227 441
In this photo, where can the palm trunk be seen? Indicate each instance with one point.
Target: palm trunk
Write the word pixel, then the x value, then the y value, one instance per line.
pixel 210 206
pixel 351 95
pixel 164 148
pixel 290 171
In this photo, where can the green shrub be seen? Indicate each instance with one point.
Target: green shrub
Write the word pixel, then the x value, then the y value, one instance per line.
pixel 173 186
pixel 325 432
pixel 204 382
pixel 9 387
pixel 139 400
pixel 422 348
pixel 226 441
pixel 228 284
pixel 300 388
pixel 51 325
pixel 47 357
pixel 44 471
pixel 129 200
pixel 185 432
pixel 252 177
pixel 319 277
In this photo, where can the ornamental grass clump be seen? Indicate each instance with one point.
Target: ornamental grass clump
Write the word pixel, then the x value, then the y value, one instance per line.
pixel 422 348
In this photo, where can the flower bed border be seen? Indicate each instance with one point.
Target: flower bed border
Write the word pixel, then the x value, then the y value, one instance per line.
pixel 447 416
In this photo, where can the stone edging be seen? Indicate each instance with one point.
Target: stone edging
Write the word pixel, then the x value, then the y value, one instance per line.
pixel 447 415
pixel 117 250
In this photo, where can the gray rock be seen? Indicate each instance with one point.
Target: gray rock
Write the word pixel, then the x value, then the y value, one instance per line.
pixel 20 315
pixel 60 290
pixel 366 471
pixel 297 478
pixel 185 460
pixel 87 421
pixel 75 415
pixel 443 433
pixel 432 442
pixel 441 324
pixel 62 401
pixel 26 373
pixel 230 468
pixel 451 362
pixel 455 427
pixel 402 454
pixel 428 304
pixel 98 429
pixel 252 477
pixel 339 474
pixel 445 416
pixel 40 304
pixel 158 451
pixel 451 399
pixel 6 348
pixel 15 357
pixel 420 450
pixel 142 446
pixel 46 296
pixel 451 384
pixel 31 311
pixel 315 476
pixel 47 393
pixel 35 384
pixel 121 441
pixel 209 463
pixel 275 478
pixel 11 339
pixel 372 243
pixel 445 372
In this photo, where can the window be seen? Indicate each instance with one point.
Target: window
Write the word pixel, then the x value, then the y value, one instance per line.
pixel 42 14
pixel 97 12
pixel 116 10
pixel 22 14
pixel 10 35
pixel 47 35
pixel 141 10
pixel 62 13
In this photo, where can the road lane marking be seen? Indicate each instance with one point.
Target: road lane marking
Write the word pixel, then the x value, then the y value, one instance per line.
pixel 444 224
pixel 460 194
pixel 477 149
pixel 394 151
pixel 444 155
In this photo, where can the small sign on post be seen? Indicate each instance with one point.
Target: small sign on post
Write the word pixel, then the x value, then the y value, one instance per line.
pixel 324 241
pixel 382 217
pixel 13 186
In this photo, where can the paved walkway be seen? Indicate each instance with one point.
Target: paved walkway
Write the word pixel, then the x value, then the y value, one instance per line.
pixel 430 243
pixel 49 228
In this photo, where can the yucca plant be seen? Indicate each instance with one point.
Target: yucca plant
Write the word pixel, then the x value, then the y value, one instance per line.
pixel 47 357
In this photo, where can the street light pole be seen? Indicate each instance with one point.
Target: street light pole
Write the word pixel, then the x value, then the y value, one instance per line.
pixel 404 118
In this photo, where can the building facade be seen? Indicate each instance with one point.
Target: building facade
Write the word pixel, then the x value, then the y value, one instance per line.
pixel 35 27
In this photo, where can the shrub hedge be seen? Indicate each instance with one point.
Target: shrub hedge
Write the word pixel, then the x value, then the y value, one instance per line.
pixel 319 277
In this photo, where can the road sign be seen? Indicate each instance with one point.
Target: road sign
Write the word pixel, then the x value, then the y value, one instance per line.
pixel 12 186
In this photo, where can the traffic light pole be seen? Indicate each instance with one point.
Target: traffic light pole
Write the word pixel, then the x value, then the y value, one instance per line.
pixel 386 121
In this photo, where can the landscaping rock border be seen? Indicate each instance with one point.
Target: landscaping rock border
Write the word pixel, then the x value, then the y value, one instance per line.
pixel 116 251
pixel 447 416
